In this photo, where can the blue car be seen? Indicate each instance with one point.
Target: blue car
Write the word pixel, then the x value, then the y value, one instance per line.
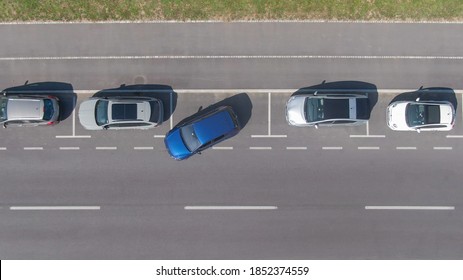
pixel 201 132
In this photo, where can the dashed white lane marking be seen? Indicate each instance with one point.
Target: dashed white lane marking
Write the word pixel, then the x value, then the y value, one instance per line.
pixel 231 207
pixel 454 136
pixel 296 148
pixel 55 208
pixel 159 136
pixel 73 136
pixel 269 136
pixel 260 148
pixel 33 148
pixel 367 136
pixel 2 148
pixel 410 207
pixel 143 148
pixel 152 57
pixel 222 148
pixel 69 148
pixel 368 148
pixel 442 148
pixel 106 148
pixel 405 148
pixel 331 148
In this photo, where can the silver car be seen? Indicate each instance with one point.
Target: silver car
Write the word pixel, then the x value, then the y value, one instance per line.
pixel 327 109
pixel 28 110
pixel 99 113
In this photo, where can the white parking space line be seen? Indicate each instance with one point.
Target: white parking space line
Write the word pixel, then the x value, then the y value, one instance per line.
pixel 33 148
pixel 269 122
pixel 69 148
pixel 2 148
pixel 331 148
pixel 260 148
pixel 409 207
pixel 222 148
pixel 55 208
pixel 442 148
pixel 106 148
pixel 73 129
pixel 143 148
pixel 368 148
pixel 191 57
pixel 231 208
pixel 405 148
pixel 296 148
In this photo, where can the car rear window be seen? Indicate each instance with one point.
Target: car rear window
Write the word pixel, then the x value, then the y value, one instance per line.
pixel 48 109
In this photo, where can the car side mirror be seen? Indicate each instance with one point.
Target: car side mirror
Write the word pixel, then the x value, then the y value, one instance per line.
pixel 316 126
pixel 106 127
pixel 4 125
pixel 315 93
pixel 418 130
pixel 417 99
pixel 4 93
pixel 200 108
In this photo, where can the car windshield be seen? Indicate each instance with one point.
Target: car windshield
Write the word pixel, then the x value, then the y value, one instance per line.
pixel 314 109
pixel 420 114
pixel 189 138
pixel 3 102
pixel 48 110
pixel 101 112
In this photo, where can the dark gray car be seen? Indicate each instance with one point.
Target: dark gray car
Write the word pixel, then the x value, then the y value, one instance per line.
pixel 28 110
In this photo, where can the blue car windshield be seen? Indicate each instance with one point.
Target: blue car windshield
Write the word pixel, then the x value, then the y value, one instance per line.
pixel 314 109
pixel 101 112
pixel 3 115
pixel 48 110
pixel 189 138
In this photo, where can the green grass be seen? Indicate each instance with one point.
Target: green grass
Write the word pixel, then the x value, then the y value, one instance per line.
pixel 92 10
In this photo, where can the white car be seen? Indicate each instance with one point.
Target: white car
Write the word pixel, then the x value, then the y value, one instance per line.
pixel 421 115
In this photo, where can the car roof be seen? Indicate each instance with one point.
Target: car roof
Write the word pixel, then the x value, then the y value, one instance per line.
pixel 124 111
pixel 213 126
pixel 25 108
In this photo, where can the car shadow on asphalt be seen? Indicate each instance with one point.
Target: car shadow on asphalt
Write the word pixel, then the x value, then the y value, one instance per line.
pixel 64 91
pixel 429 94
pixel 164 93
pixel 240 103
pixel 347 87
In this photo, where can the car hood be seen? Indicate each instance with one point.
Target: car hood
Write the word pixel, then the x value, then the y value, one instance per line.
pixel 175 145
pixel 396 116
pixel 87 114
pixel 295 110
pixel 446 114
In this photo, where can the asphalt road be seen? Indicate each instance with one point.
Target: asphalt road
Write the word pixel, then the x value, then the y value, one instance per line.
pixel 288 193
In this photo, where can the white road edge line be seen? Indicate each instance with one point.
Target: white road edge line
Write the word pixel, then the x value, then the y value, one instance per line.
pixel 33 148
pixel 231 208
pixel 409 207
pixel 442 148
pixel 331 148
pixel 143 148
pixel 106 148
pixel 260 148
pixel 55 208
pixel 69 148
pixel 222 148
pixel 296 148
pixel 405 148
pixel 368 148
